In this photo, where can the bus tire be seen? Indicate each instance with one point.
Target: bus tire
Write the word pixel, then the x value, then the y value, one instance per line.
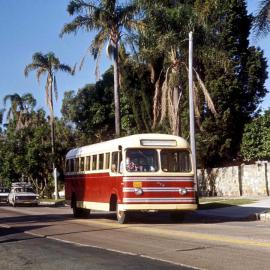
pixel 79 212
pixel 122 216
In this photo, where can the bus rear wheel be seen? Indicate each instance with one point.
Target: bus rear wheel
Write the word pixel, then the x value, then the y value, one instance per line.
pixel 79 212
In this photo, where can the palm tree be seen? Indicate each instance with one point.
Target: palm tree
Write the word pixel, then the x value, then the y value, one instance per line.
pixel 262 19
pixel 109 19
pixel 48 64
pixel 20 108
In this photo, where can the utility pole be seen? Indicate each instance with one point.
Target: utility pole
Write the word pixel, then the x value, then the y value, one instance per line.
pixel 191 113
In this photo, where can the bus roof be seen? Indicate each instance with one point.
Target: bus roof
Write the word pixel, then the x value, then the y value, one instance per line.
pixel 148 140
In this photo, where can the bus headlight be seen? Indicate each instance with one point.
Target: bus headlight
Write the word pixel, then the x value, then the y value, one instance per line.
pixel 182 191
pixel 138 191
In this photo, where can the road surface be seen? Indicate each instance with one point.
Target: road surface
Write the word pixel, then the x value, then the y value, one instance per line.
pixel 148 242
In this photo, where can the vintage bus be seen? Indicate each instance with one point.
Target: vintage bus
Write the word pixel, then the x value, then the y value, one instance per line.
pixel 144 172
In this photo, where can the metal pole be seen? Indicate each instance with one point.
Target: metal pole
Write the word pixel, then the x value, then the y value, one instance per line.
pixel 191 113
pixel 55 182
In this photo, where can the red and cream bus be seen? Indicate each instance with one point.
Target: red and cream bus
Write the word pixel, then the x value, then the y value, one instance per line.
pixel 144 172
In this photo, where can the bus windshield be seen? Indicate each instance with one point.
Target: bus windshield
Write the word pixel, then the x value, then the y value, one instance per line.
pixel 175 161
pixel 141 160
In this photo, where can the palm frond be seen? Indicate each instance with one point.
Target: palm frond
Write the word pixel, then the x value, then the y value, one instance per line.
pixel 39 59
pixel 55 89
pixel 78 6
pixel 262 18
pixel 64 68
pixel 80 22
pixel 164 96
pixel 40 72
pixel 30 67
pixel 48 90
pixel 208 99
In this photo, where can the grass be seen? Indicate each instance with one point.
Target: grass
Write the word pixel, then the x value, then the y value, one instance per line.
pixel 213 203
pixel 52 200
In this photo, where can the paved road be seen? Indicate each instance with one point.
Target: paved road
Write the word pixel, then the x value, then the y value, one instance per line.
pixel 23 251
pixel 205 244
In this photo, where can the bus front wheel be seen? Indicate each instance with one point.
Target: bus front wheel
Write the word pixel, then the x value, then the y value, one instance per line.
pixel 122 216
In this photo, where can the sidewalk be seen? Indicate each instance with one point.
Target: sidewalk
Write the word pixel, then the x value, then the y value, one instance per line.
pixel 259 210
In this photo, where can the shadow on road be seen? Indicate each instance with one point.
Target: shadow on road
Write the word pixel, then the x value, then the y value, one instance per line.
pixel 221 215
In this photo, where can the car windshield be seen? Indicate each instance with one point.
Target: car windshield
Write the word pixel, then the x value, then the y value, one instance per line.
pixel 141 160
pixel 4 190
pixel 175 161
pixel 24 189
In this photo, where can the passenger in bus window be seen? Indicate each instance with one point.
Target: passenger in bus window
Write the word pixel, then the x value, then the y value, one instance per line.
pixel 130 165
pixel 113 168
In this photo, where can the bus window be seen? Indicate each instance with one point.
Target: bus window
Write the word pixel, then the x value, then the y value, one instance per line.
pixel 82 164
pixel 175 161
pixel 141 160
pixel 76 164
pixel 87 163
pixel 94 162
pixel 107 161
pixel 101 161
pixel 67 166
pixel 71 165
pixel 114 161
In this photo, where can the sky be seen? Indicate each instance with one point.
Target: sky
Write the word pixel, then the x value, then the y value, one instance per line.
pixel 31 26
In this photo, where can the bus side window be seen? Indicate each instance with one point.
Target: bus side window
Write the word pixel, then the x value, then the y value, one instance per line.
pixel 116 160
pixel 72 165
pixel 101 161
pixel 114 164
pixel 82 164
pixel 88 163
pixel 107 161
pixel 94 162
pixel 77 164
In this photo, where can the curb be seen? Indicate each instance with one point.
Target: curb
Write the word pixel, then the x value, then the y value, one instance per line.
pixel 52 204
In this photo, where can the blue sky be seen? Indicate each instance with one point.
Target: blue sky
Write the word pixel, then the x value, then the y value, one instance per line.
pixel 31 26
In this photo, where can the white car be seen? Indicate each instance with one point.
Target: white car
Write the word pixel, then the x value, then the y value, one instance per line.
pixel 4 194
pixel 22 194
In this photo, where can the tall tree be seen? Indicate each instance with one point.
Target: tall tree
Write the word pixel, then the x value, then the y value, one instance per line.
pixel 262 19
pixel 48 64
pixel 236 85
pixel 109 19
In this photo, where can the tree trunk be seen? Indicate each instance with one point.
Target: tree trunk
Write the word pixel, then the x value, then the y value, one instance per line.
pixel 52 141
pixel 116 93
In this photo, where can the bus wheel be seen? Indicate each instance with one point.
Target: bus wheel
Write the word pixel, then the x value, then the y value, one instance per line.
pixel 177 216
pixel 80 212
pixel 122 216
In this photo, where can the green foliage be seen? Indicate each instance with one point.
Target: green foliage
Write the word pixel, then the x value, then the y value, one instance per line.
pixel 137 93
pixel 236 85
pixel 25 154
pixel 91 110
pixel 256 139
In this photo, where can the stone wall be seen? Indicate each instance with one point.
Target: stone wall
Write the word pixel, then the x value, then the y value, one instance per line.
pixel 243 180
